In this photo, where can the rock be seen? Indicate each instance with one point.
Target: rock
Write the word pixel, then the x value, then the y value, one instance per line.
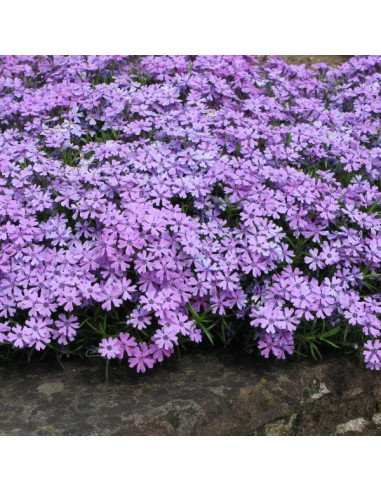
pixel 281 427
pixel 50 388
pixel 206 392
pixel 320 389
pixel 355 425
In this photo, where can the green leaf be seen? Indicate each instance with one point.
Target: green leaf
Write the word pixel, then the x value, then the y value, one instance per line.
pixel 209 336
pixel 330 343
pixel 59 361
pixel 315 352
pixel 329 333
pixel 107 369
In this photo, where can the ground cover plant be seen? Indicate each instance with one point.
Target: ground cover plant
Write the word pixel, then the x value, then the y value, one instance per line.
pixel 151 202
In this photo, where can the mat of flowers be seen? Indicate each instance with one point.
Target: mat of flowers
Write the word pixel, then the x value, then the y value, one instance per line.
pixel 148 202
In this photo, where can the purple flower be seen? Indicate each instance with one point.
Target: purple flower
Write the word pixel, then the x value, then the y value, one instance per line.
pixel 143 186
pixel 165 338
pixel 69 298
pixel 110 348
pixel 110 296
pixel 139 319
pixel 37 328
pixel 289 320
pixel 126 344
pixel 372 354
pixel 267 345
pixel 314 261
pixel 4 329
pixel 66 329
pixel 141 358
pixel 269 318
pixel 18 337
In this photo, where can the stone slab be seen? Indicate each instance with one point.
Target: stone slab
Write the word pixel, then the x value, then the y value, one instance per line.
pixel 217 392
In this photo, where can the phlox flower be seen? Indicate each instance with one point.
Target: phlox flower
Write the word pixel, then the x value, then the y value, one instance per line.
pixel 18 337
pixel 269 317
pixel 132 188
pixel 110 348
pixel 314 261
pixel 4 329
pixel 126 344
pixel 66 328
pixel 266 345
pixel 141 358
pixel 329 254
pixel 181 323
pixel 195 334
pixel 372 354
pixel 37 328
pixel 139 318
pixel 289 320
pixel 158 354
pixel 69 298
pixel 284 344
pixel 165 338
pixel 110 296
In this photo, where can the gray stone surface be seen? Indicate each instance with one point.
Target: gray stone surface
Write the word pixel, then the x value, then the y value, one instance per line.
pixel 204 393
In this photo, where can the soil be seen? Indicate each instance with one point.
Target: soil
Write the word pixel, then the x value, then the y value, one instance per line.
pixel 309 60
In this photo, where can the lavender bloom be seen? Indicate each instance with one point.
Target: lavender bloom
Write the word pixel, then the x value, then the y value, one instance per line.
pixel 110 348
pixel 372 354
pixel 142 188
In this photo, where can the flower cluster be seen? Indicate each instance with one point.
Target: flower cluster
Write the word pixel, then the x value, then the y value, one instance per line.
pixel 150 201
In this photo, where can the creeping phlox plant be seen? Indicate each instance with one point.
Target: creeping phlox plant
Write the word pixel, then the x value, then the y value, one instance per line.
pixel 150 201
